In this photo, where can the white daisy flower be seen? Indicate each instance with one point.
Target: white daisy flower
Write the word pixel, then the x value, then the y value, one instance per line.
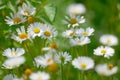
pixel 45 60
pixel 52 48
pixel 79 41
pixel 21 36
pixel 73 20
pixel 76 9
pixel 106 69
pixel 82 32
pixel 11 63
pixel 35 29
pixel 12 52
pixel 39 76
pixel 63 57
pixel 10 77
pixel 68 33
pixel 104 51
pixel 83 63
pixel 26 10
pixel 49 32
pixel 109 40
pixel 15 19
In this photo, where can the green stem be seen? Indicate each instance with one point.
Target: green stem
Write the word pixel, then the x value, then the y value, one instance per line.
pixel 61 70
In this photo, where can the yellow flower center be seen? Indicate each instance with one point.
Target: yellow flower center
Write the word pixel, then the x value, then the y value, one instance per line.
pixel 13 53
pixel 30 19
pixel 28 71
pixel 72 34
pixel 110 66
pixel 79 41
pixel 23 35
pixel 26 12
pixel 39 78
pixel 85 33
pixel 103 51
pixel 73 21
pixel 16 20
pixel 53 45
pixel 108 40
pixel 83 65
pixel 53 67
pixel 47 33
pixel 36 30
pixel 48 60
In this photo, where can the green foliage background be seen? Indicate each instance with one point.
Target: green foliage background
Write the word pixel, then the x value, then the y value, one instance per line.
pixel 102 15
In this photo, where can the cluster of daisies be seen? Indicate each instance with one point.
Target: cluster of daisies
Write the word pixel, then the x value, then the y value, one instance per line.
pixel 52 58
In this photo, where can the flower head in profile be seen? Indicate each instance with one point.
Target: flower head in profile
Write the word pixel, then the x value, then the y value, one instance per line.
pixel 104 51
pixel 76 9
pixel 45 60
pixel 49 32
pixel 73 21
pixel 79 41
pixel 84 32
pixel 63 57
pixel 21 36
pixel 106 69
pixel 83 63
pixel 68 33
pixel 26 9
pixel 109 40
pixel 14 19
pixel 11 77
pixel 35 29
pixel 12 52
pixel 39 76
pixel 12 63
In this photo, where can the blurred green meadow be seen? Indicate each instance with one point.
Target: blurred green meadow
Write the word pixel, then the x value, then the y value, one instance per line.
pixel 102 15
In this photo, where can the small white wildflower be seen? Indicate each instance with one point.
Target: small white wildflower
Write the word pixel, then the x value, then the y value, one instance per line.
pixel 15 19
pixel 106 69
pixel 26 10
pixel 11 63
pixel 109 40
pixel 45 60
pixel 68 33
pixel 12 52
pixel 82 32
pixel 76 9
pixel 35 29
pixel 63 57
pixel 79 41
pixel 104 51
pixel 83 63
pixel 39 76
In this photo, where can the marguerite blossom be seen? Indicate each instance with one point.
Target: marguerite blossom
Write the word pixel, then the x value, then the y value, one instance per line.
pixel 76 9
pixel 104 51
pixel 109 40
pixel 68 33
pixel 12 77
pixel 106 69
pixel 45 60
pixel 12 52
pixel 14 19
pixel 39 76
pixel 11 63
pixel 52 48
pixel 73 20
pixel 26 9
pixel 35 29
pixel 63 57
pixel 83 63
pixel 49 32
pixel 79 41
pixel 21 36
pixel 84 32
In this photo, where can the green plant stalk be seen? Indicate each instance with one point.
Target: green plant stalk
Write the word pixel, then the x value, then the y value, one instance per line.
pixel 61 67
